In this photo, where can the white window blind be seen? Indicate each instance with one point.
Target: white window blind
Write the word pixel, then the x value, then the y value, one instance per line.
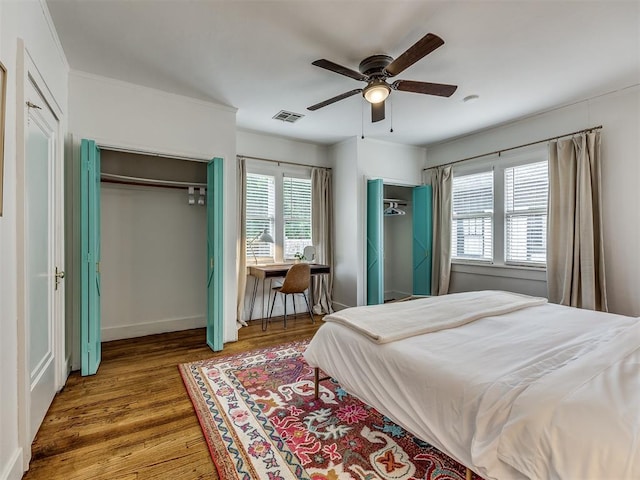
pixel 260 213
pixel 472 221
pixel 526 190
pixel 297 215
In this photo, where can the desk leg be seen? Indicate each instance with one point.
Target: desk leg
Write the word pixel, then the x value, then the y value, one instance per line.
pixel 253 297
pixel 263 282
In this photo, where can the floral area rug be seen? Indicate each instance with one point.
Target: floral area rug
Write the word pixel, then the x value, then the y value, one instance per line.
pixel 261 421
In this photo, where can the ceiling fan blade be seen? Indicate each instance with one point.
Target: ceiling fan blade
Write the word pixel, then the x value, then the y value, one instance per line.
pixel 440 89
pixel 334 67
pixel 377 111
pixel 334 99
pixel 420 49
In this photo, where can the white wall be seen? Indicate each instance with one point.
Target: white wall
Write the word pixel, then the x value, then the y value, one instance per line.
pixel 619 113
pixel 355 161
pixel 30 21
pixel 258 145
pixel 346 257
pixel 154 261
pixel 124 115
pixel 252 144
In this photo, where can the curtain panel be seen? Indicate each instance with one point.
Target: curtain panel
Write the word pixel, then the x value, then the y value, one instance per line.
pixel 242 241
pixel 322 233
pixel 440 179
pixel 575 250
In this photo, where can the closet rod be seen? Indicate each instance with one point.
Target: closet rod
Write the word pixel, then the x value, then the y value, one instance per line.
pixel 515 148
pixel 147 182
pixel 281 161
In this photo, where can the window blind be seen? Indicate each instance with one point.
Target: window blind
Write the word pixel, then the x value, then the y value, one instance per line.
pixel 260 213
pixel 297 215
pixel 526 191
pixel 472 220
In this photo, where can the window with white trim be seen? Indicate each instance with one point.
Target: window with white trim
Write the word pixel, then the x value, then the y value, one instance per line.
pixel 472 222
pixel 260 205
pixel 526 188
pixel 499 211
pixel 279 203
pixel 296 205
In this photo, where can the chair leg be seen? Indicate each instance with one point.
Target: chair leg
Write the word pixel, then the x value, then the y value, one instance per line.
pixel 313 320
pixel 293 300
pixel 284 299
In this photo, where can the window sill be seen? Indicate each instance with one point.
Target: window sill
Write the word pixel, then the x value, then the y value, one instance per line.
pixel 495 270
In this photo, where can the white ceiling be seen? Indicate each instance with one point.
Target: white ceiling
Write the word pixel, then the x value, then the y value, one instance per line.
pixel 520 57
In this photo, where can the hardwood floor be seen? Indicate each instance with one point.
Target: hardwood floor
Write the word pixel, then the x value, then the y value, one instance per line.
pixel 133 419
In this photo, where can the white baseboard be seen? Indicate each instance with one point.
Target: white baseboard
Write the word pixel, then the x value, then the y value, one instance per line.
pixel 13 468
pixel 339 306
pixel 151 328
pixel 395 295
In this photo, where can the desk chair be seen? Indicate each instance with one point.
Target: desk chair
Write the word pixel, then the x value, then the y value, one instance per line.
pixel 295 282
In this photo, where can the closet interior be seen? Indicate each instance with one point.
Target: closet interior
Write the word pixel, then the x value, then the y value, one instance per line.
pixel 153 244
pixel 398 238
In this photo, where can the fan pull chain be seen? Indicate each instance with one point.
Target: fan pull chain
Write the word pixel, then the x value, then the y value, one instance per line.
pixel 362 119
pixel 391 116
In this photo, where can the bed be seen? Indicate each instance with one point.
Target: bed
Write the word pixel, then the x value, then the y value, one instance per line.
pixel 538 391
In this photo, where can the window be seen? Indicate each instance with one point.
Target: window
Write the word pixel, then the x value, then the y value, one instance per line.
pixel 472 225
pixel 261 213
pixel 280 203
pixel 499 214
pixel 525 210
pixel 297 215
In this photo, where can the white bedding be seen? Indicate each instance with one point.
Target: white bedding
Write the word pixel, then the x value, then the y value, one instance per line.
pixel 543 392
pixel 446 311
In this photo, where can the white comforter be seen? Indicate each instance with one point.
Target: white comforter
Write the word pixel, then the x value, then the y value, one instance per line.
pixel 429 314
pixel 543 392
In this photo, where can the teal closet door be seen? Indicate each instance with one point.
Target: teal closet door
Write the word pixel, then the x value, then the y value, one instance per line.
pixel 422 240
pixel 375 238
pixel 215 300
pixel 90 347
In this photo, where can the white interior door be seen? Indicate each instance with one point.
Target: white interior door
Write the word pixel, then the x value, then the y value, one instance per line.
pixel 40 272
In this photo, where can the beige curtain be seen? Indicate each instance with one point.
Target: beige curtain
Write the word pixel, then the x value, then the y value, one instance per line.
pixel 440 180
pixel 242 243
pixel 575 252
pixel 322 234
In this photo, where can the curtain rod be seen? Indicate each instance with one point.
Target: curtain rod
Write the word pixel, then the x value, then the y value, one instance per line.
pixel 515 148
pixel 246 157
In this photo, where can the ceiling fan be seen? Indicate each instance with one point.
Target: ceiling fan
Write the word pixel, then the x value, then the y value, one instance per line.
pixel 376 69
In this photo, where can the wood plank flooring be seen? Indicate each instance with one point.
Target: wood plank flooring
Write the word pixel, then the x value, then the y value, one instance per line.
pixel 133 420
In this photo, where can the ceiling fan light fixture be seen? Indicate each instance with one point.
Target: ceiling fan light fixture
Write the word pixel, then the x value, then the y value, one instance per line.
pixel 376 92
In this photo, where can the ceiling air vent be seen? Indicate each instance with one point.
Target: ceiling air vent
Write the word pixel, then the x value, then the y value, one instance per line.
pixel 287 116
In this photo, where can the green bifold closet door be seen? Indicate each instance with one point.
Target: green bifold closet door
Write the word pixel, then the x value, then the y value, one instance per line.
pixel 215 302
pixel 422 240
pixel 375 242
pixel 90 341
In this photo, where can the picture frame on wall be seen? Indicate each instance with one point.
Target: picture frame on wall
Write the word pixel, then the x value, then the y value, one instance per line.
pixel 3 107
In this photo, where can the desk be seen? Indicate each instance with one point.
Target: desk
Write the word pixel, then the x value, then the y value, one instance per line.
pixel 262 272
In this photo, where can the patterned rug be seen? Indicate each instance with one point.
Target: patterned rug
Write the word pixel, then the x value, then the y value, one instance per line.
pixel 261 421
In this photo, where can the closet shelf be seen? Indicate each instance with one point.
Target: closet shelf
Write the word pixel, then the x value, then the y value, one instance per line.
pixel 151 182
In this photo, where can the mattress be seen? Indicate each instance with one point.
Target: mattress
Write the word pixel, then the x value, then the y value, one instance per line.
pixel 543 392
